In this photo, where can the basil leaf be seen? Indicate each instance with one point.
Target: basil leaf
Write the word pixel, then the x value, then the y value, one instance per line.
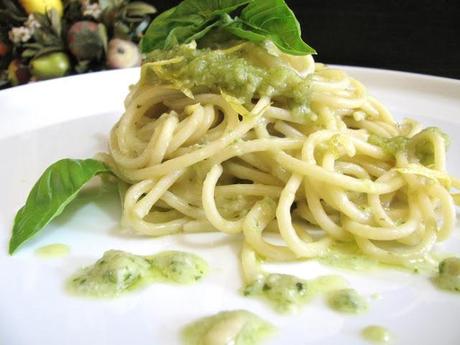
pixel 260 20
pixel 191 19
pixel 273 20
pixel 54 190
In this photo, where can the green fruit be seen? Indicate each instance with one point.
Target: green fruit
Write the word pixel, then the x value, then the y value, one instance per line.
pixel 49 66
pixel 18 73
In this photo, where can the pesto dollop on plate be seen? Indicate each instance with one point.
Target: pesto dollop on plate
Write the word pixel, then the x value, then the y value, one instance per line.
pixel 118 271
pixel 236 327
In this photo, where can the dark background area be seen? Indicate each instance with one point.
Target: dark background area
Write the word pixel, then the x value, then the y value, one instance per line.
pixel 420 36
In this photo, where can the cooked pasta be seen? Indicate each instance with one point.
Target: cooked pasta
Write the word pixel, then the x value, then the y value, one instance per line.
pixel 344 170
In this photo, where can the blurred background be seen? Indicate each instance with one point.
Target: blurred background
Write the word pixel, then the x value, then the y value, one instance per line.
pixel 410 35
pixel 80 36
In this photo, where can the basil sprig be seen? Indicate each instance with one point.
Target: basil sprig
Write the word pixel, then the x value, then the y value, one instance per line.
pixel 54 190
pixel 259 20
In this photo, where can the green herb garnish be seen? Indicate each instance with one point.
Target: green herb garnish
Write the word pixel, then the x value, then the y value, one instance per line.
pixel 258 20
pixel 54 190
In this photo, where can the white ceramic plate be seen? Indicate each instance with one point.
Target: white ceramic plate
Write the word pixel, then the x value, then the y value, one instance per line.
pixel 71 117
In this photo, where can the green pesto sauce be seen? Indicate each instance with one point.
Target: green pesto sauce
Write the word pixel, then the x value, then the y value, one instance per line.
pixel 118 271
pixel 179 267
pixel 347 255
pixel 421 144
pixel 287 292
pixel 449 275
pixel 347 301
pixel 238 327
pixel 392 146
pixel 376 334
pixel 207 70
pixel 57 250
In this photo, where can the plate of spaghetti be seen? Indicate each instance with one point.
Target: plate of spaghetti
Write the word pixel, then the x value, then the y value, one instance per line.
pixel 231 190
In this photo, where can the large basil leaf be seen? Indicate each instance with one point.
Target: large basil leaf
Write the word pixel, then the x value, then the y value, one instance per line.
pixel 260 20
pixel 273 20
pixel 191 19
pixel 54 190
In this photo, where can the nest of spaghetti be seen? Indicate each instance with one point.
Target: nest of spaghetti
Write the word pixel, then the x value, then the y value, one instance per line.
pixel 293 165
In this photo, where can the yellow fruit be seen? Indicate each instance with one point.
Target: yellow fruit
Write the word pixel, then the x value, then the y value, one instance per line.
pixel 42 6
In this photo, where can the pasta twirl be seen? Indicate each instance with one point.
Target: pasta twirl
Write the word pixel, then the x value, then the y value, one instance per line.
pixel 346 171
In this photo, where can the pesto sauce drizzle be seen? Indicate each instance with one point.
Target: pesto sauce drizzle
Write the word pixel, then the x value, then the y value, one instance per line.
pixel 231 71
pixel 51 251
pixel 420 144
pixel 118 271
pixel 348 256
pixel 376 334
pixel 448 277
pixel 287 292
pixel 391 146
pixel 236 327
pixel 347 301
